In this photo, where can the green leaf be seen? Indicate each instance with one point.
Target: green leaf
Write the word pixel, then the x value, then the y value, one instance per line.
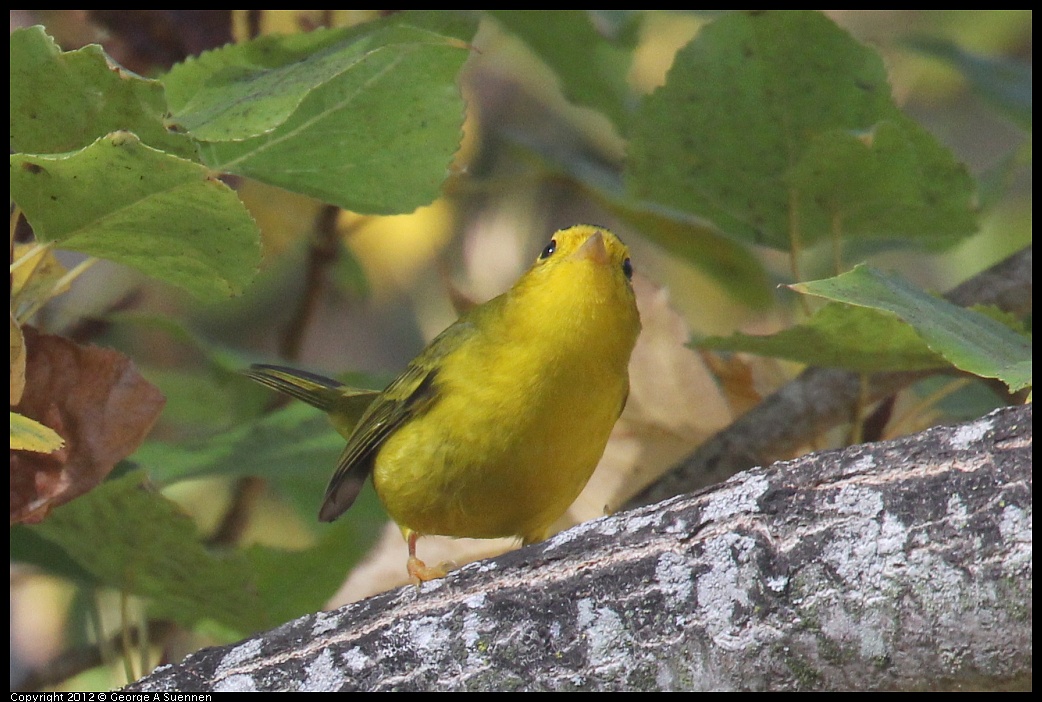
pixel 735 136
pixel 1003 82
pixel 693 239
pixel 295 442
pixel 841 336
pixel 220 359
pixel 296 450
pixel 367 118
pixel 134 539
pixel 205 398
pixel 199 402
pixel 729 264
pixel 244 90
pixel 27 546
pixel 891 182
pixel 122 200
pixel 592 69
pixel 63 101
pixel 969 340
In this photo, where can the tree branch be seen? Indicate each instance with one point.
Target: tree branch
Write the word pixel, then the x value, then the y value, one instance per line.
pixel 902 564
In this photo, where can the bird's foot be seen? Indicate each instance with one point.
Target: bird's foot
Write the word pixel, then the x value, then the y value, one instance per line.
pixel 420 572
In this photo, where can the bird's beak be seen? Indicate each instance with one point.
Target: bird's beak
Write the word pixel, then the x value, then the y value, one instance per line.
pixel 594 249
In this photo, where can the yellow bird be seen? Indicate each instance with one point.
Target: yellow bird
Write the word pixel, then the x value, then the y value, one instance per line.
pixel 495 428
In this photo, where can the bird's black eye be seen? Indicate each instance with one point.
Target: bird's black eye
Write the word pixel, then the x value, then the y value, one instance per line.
pixel 627 269
pixel 550 248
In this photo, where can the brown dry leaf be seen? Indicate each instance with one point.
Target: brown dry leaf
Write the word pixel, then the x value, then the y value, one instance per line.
pixel 94 399
pixel 737 379
pixel 674 405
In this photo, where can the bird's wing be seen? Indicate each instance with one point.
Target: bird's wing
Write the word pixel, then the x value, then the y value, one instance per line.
pixel 407 397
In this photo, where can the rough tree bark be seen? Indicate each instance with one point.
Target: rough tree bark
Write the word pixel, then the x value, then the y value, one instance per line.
pixel 904 564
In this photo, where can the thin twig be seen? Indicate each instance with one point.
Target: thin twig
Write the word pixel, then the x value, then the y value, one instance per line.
pixel 325 250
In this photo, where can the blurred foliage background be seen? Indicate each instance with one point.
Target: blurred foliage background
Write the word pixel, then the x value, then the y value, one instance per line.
pixel 555 105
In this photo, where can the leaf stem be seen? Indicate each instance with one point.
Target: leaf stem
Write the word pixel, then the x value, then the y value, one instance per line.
pixel 322 254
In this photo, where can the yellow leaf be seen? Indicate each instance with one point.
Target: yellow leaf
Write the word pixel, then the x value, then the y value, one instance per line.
pixel 17 362
pixel 29 435
pixel 34 280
